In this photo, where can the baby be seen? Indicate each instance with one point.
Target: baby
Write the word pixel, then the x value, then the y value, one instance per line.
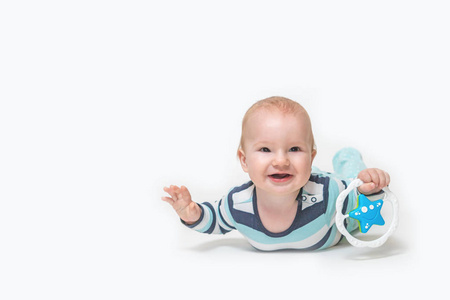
pixel 288 204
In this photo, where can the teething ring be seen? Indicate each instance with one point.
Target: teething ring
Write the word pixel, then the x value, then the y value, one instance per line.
pixel 388 196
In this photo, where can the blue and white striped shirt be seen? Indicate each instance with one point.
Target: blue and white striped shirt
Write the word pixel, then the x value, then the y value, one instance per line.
pixel 313 227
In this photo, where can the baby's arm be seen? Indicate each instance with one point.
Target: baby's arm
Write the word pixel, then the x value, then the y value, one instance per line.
pixel 374 181
pixel 206 217
pixel 181 201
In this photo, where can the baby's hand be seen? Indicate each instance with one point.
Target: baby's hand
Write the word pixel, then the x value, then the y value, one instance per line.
pixel 181 201
pixel 374 180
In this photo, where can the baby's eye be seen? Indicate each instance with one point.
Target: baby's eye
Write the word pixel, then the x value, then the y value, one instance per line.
pixel 294 149
pixel 264 149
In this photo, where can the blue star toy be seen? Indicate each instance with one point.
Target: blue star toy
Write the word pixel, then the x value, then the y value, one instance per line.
pixel 367 213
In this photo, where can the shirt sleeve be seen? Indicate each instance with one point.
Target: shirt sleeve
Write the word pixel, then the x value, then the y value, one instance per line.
pixel 215 218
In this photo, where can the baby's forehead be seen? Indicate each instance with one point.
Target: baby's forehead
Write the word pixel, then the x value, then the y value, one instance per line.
pixel 269 113
pixel 277 123
pixel 277 119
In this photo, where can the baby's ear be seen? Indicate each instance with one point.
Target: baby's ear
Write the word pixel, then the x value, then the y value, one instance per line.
pixel 313 154
pixel 243 160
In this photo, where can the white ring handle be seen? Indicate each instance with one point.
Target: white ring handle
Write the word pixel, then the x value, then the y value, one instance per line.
pixel 389 196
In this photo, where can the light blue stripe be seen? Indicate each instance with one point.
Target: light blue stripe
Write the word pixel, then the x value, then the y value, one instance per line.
pixel 333 193
pixel 208 225
pixel 246 201
pixel 295 236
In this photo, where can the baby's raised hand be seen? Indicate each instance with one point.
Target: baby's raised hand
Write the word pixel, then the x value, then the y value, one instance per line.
pixel 181 201
pixel 374 180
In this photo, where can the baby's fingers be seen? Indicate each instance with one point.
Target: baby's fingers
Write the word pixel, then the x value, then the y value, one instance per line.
pixel 172 191
pixel 371 175
pixel 168 200
pixel 374 180
pixel 367 188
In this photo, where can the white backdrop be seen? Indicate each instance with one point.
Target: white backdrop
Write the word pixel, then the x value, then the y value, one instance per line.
pixel 102 103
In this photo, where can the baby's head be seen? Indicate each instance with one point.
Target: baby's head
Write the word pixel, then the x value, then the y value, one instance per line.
pixel 277 145
pixel 276 104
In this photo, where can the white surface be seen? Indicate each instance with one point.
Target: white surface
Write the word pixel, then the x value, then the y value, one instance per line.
pixel 102 103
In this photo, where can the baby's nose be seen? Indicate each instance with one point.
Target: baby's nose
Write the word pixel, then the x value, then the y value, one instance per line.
pixel 281 159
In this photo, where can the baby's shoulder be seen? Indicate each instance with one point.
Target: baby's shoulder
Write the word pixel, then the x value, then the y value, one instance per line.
pixel 239 201
pixel 242 193
pixel 318 179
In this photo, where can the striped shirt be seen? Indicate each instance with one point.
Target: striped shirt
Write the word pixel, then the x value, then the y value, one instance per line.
pixel 313 227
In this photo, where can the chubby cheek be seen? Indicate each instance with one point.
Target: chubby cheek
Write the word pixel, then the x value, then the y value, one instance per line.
pixel 256 168
pixel 303 162
pixel 303 169
pixel 303 179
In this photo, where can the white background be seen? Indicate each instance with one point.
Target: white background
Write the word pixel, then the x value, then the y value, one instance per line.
pixel 102 103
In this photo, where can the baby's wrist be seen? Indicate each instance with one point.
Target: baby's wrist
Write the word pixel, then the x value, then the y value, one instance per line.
pixel 194 217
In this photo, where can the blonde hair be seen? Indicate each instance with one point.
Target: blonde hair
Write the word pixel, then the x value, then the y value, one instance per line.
pixel 284 105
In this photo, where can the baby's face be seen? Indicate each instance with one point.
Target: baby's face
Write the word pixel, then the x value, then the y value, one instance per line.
pixel 277 151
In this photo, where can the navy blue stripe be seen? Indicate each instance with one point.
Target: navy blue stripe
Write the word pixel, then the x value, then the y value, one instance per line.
pixel 223 230
pixel 246 219
pixel 321 242
pixel 311 213
pixel 325 181
pixel 213 224
pixel 242 217
pixel 345 204
pixel 240 188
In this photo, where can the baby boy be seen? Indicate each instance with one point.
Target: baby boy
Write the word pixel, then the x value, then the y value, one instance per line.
pixel 288 204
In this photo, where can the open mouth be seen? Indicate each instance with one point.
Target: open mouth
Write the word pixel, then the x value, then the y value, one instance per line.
pixel 280 177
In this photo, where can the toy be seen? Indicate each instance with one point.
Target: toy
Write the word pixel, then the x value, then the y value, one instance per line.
pixel 368 213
